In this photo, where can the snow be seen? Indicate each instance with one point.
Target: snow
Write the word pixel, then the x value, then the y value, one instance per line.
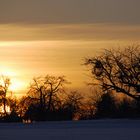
pixel 72 130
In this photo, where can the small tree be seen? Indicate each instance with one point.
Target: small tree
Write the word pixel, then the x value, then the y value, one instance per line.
pixel 118 70
pixel 91 103
pixel 12 115
pixel 73 104
pixel 4 87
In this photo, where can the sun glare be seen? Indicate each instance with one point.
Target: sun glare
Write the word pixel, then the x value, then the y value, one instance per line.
pixel 15 83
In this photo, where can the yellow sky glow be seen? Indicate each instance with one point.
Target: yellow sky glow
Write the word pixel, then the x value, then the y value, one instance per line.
pixel 27 51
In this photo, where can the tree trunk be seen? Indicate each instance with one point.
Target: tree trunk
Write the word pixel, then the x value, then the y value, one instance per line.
pixel 4 106
pixel 50 101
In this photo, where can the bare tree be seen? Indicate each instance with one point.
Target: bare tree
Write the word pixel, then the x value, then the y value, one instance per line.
pixel 4 87
pixel 73 103
pixel 118 70
pixel 46 89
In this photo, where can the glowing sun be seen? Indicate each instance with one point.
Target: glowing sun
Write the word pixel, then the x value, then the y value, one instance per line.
pixel 16 85
pixel 15 82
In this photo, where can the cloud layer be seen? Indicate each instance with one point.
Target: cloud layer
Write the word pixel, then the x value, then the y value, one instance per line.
pixel 92 32
pixel 69 11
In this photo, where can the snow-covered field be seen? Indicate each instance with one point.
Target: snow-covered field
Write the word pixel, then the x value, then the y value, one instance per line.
pixel 75 130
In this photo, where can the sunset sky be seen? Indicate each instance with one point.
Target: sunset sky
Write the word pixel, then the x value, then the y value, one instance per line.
pixel 39 37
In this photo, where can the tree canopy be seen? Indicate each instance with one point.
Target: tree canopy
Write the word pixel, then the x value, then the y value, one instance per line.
pixel 118 70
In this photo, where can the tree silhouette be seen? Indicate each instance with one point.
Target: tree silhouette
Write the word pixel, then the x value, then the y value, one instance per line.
pixel 4 87
pixel 44 93
pixel 73 104
pixel 106 106
pixel 13 114
pixel 23 105
pixel 118 70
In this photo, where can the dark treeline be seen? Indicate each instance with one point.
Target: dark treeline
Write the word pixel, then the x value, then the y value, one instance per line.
pixel 115 74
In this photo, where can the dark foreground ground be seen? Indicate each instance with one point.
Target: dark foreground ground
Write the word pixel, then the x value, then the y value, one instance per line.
pixel 76 130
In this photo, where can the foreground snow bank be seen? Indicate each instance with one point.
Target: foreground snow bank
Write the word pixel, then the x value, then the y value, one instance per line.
pixel 76 130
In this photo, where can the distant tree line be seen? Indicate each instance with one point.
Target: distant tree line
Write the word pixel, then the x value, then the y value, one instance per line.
pixel 116 73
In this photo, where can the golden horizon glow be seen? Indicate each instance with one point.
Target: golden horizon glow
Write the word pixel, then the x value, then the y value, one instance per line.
pixel 16 84
pixel 28 51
